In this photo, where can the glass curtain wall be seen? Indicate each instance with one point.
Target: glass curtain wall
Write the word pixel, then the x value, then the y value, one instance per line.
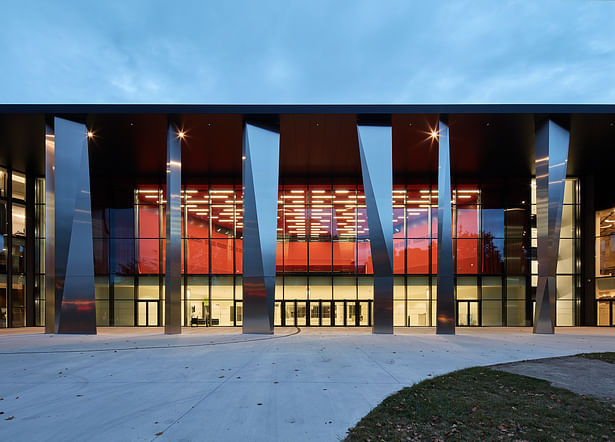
pixel 13 248
pixel 568 264
pixel 605 266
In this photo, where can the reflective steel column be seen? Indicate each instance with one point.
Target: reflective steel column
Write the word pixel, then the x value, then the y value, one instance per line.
pixel 551 146
pixel 50 283
pixel 376 150
pixel 261 151
pixel 172 281
pixel 75 307
pixel 445 307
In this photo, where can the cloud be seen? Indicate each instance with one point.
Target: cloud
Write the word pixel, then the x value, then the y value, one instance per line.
pixel 308 52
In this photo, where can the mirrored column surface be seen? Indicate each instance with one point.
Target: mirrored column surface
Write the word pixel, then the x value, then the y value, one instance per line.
pixel 69 217
pixel 261 150
pixel 445 306
pixel 173 233
pixel 375 148
pixel 551 145
pixel 49 230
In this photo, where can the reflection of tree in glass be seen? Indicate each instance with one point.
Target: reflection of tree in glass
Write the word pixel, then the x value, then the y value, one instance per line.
pixel 493 259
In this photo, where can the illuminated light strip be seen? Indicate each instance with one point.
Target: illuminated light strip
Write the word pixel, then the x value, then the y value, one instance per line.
pixel 151 196
pixel 296 191
pixel 220 205
pixel 221 191
pixel 464 196
pixel 318 191
pixel 323 206
pixel 146 191
pixel 399 191
pixel 218 196
pixel 468 191
pixel 201 213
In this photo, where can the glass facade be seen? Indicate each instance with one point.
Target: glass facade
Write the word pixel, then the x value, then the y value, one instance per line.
pixel 324 262
pixel 13 230
pixel 568 297
pixel 605 266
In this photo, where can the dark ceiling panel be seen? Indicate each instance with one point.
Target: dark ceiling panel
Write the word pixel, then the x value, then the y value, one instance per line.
pixel 212 147
pixel 22 142
pixel 319 145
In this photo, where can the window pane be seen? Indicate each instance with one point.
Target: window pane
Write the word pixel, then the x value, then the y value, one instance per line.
pixel 295 256
pixel 320 287
pixel 399 249
pixel 19 185
pixel 467 288
pixel 493 223
pixel 418 224
pixel 493 255
pixel 491 313
pixel 418 256
pixel 148 288
pixel 221 255
pixel 364 258
pixel 122 223
pixel 516 255
pixel 222 287
pixel 320 255
pixel 344 256
pixel 467 222
pixel 123 257
pixel 467 256
pixel 418 288
pixel 3 176
pixel 295 287
pixel 19 219
pixel 198 256
pixel 344 287
pixel 148 255
pixel 366 287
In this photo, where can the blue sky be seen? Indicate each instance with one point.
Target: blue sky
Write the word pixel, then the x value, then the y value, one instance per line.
pixel 336 51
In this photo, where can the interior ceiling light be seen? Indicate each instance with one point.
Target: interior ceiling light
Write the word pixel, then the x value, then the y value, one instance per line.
pixel 90 134
pixel 181 134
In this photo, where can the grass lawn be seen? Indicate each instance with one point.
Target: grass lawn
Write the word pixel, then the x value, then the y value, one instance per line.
pixel 485 404
pixel 606 357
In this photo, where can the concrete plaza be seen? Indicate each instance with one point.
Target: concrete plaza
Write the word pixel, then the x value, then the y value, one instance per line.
pixel 217 384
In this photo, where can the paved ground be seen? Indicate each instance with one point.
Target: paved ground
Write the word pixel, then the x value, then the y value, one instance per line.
pixel 132 384
pixel 589 377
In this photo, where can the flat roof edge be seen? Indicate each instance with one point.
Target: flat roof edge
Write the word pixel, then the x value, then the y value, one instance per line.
pixel 308 108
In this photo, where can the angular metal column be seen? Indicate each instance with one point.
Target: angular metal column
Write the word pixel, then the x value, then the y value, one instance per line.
pixel 445 306
pixel 172 281
pixel 69 224
pixel 261 151
pixel 50 283
pixel 376 150
pixel 551 147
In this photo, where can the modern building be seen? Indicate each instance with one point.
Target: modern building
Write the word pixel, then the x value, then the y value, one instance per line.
pixel 305 215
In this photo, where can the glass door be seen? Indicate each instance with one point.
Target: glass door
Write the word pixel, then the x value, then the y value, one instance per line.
pixel 606 313
pixel 468 313
pixel 289 313
pixel 325 314
pixel 301 313
pixel 338 310
pixel 147 313
pixel 314 316
pixel 365 313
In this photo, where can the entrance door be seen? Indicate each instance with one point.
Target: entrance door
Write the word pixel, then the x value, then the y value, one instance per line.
pixel 147 313
pixel 325 313
pixel 339 314
pixel 606 313
pixel 301 313
pixel 467 313
pixel 289 313
pixel 314 316
pixel 365 314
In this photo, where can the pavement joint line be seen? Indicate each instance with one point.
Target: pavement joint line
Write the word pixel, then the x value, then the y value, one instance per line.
pixel 153 347
pixel 212 391
pixel 379 365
